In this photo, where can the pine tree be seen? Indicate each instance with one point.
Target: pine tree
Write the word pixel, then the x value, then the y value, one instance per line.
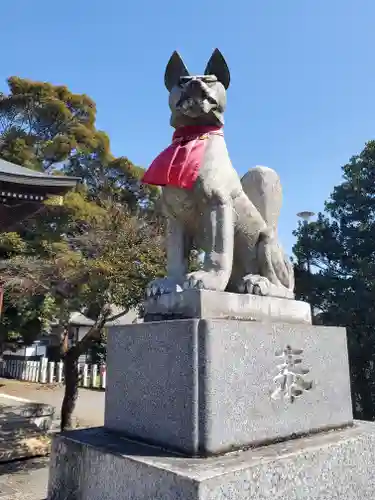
pixel 341 248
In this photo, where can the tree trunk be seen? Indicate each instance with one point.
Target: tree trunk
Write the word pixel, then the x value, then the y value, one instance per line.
pixel 71 369
pixel 71 390
pixel 64 341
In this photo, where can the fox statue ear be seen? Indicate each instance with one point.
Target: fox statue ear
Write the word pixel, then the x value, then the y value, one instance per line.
pixel 174 70
pixel 217 66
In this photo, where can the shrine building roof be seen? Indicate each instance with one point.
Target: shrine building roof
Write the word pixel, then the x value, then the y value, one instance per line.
pixel 17 179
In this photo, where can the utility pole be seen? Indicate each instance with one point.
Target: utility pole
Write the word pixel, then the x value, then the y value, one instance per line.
pixel 306 216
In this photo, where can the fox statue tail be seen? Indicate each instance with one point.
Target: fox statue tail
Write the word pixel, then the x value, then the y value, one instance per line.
pixel 263 187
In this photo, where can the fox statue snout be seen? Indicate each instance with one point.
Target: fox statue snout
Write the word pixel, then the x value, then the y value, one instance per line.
pixel 197 96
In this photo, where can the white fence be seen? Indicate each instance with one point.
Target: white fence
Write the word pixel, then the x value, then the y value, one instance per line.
pixel 48 372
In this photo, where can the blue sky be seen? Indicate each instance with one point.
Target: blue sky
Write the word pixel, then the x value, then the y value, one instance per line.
pixel 303 76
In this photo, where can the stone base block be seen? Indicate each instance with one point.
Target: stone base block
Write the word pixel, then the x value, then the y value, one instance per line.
pixel 213 305
pixel 23 430
pixel 25 444
pixel 95 465
pixel 211 386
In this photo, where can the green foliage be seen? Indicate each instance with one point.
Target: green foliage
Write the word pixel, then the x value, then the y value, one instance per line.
pixel 87 252
pixel 340 246
pixel 109 264
pixel 42 124
pixel 24 318
pixel 11 243
pixel 112 179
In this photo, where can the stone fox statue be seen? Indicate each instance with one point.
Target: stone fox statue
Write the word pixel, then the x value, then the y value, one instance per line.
pixel 233 220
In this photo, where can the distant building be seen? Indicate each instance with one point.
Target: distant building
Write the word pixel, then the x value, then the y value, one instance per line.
pixel 33 352
pixel 79 325
pixel 48 345
pixel 23 191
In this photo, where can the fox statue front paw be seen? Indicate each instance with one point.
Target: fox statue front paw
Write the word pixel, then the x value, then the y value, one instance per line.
pixel 206 280
pixel 161 286
pixel 256 284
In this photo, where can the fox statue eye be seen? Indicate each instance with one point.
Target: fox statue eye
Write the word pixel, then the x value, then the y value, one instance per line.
pixel 209 79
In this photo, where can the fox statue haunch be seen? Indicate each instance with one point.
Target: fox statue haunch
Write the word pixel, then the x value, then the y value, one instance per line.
pixel 233 220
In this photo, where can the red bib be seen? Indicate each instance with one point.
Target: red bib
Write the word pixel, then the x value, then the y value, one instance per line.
pixel 179 164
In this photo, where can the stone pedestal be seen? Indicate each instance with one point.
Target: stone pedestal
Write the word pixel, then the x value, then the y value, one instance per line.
pixel 207 386
pixel 223 305
pixel 220 408
pixel 96 465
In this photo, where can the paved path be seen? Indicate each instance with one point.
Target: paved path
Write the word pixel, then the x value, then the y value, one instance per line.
pixel 24 480
pixel 90 404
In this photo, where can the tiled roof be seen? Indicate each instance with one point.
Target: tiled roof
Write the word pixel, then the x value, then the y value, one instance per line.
pixel 10 172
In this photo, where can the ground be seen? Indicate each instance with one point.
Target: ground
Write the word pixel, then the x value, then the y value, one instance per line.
pixel 24 480
pixel 27 480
